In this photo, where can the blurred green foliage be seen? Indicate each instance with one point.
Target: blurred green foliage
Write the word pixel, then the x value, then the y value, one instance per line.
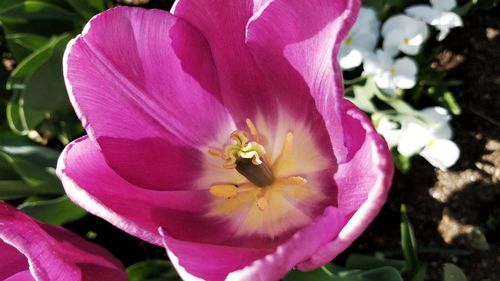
pixel 37 119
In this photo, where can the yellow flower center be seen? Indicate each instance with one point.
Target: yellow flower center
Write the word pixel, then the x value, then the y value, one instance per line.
pixel 265 182
pixel 249 159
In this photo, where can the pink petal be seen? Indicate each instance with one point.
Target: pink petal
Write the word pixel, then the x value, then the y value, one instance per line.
pixel 144 85
pixel 54 253
pixel 213 262
pixel 363 183
pixel 21 276
pixel 92 184
pixel 12 260
pixel 296 43
pixel 223 23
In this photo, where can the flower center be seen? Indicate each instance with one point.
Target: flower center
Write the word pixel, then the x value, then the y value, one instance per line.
pixel 348 41
pixel 248 157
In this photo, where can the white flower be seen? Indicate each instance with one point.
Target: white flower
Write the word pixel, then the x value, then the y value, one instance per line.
pixel 391 130
pixel 430 138
pixel 405 34
pixel 390 74
pixel 438 15
pixel 362 38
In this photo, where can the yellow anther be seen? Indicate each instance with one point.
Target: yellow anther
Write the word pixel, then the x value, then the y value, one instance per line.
pixel 348 41
pixel 406 41
pixel 295 180
pixel 253 130
pixel 224 190
pixel 215 152
pixel 287 146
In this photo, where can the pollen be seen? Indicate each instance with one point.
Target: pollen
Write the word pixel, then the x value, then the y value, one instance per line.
pixel 348 41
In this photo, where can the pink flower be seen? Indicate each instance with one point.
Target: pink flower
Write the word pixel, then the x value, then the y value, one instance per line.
pixel 224 124
pixel 31 251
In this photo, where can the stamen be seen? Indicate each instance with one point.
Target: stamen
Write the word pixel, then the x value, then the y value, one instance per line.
pixel 295 180
pixel 224 190
pixel 253 130
pixel 215 152
pixel 287 145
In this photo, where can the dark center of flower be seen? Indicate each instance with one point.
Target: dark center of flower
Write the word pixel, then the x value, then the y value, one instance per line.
pixel 247 157
pixel 260 174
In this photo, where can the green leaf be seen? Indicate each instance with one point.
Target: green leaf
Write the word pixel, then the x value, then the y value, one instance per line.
pixel 320 274
pixel 84 8
pixel 409 246
pixel 365 262
pixel 420 273
pixel 55 211
pixel 23 44
pixel 478 240
pixel 26 67
pixel 14 189
pixel 152 270
pixel 402 163
pixel 20 121
pixel 384 273
pixel 32 10
pixel 335 274
pixel 45 89
pixel 452 272
pixel 34 164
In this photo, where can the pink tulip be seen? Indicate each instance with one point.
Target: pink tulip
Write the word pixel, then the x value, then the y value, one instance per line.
pixel 224 124
pixel 31 251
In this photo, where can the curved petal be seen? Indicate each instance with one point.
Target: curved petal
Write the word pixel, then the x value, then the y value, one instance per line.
pixel 93 185
pixel 144 83
pixel 227 263
pixel 414 138
pixel 363 184
pixel 21 276
pixel 296 43
pixel 12 260
pixel 223 23
pixel 441 153
pixel 54 253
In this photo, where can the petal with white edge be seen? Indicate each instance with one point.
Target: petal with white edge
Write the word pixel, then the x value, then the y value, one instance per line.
pixel 441 153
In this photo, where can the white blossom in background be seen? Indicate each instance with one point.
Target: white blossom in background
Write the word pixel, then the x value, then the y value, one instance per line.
pixel 390 74
pixel 391 130
pixel 430 138
pixel 362 38
pixel 438 15
pixel 405 34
